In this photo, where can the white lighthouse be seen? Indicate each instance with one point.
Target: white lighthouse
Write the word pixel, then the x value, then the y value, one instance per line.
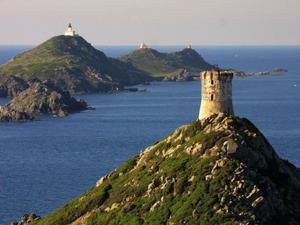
pixel 143 46
pixel 70 31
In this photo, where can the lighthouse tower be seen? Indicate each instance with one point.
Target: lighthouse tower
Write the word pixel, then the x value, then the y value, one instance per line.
pixel 216 93
pixel 70 31
pixel 143 46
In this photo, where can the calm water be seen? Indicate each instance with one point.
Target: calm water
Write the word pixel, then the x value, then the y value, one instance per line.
pixel 46 163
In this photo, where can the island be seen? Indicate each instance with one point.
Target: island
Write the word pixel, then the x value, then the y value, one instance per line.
pixel 71 64
pixel 181 65
pixel 273 72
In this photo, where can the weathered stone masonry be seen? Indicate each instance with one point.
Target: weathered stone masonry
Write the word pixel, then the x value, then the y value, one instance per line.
pixel 216 93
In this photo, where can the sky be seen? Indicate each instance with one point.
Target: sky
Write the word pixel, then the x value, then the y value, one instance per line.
pixel 155 22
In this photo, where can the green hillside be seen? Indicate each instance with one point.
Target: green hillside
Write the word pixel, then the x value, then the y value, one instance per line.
pixel 167 64
pixel 219 171
pixel 72 64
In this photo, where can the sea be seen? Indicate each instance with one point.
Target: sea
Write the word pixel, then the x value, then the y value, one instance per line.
pixel 46 163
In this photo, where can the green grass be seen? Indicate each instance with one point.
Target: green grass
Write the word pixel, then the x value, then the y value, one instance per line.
pixel 174 188
pixel 184 201
pixel 67 61
pixel 166 64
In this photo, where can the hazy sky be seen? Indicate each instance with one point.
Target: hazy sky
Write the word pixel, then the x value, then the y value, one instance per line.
pixel 156 22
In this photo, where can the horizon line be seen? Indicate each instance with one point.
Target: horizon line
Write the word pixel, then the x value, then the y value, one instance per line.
pixel 174 45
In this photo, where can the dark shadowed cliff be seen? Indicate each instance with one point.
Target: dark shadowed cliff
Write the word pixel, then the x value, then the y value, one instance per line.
pixel 40 98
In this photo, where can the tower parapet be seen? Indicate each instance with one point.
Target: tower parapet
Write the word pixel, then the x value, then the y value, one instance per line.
pixel 216 93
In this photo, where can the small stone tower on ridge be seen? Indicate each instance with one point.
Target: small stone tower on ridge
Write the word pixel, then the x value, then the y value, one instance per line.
pixel 216 93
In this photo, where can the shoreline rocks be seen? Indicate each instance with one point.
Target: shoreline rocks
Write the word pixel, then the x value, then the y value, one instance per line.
pixel 27 219
pixel 273 72
pixel 40 98
pixel 183 75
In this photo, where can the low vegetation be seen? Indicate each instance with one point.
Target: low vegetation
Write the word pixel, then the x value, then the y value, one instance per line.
pixel 72 64
pixel 167 64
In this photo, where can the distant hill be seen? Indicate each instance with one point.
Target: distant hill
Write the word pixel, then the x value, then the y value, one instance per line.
pixel 167 64
pixel 72 64
pixel 218 171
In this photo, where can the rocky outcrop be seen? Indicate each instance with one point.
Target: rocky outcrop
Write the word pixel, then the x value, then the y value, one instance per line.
pixel 220 170
pixel 10 115
pixel 40 98
pixel 10 86
pixel 183 75
pixel 27 219
pixel 273 72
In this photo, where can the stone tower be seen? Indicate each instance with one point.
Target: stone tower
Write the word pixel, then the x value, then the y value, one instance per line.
pixel 216 93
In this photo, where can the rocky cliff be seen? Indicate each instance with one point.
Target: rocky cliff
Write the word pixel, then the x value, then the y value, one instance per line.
pixel 167 64
pixel 220 170
pixel 40 98
pixel 72 64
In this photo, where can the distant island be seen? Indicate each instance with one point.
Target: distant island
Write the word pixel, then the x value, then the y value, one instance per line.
pixel 169 66
pixel 42 80
pixel 73 66
pixel 273 72
pixel 70 63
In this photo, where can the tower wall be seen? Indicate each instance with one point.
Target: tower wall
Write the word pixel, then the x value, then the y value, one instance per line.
pixel 216 93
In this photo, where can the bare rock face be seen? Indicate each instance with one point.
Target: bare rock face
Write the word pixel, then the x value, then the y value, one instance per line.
pixel 12 85
pixel 27 219
pixel 10 115
pixel 182 75
pixel 40 98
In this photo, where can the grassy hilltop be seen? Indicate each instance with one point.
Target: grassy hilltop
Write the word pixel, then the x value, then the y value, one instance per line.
pixel 220 171
pixel 72 64
pixel 167 64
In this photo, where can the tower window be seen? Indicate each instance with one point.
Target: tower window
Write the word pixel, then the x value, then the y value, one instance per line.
pixel 212 81
pixel 212 97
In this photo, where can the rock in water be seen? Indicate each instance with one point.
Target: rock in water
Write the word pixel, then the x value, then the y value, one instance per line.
pixel 220 170
pixel 10 115
pixel 40 98
pixel 27 219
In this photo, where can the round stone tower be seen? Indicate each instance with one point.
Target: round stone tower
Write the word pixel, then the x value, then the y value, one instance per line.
pixel 216 93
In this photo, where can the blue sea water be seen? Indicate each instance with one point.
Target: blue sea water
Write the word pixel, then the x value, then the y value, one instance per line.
pixel 46 163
